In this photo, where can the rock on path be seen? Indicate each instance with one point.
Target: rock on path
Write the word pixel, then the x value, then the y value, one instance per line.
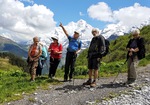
pixel 104 94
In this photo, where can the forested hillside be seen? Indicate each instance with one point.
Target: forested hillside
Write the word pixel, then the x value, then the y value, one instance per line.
pixel 7 45
pixel 117 55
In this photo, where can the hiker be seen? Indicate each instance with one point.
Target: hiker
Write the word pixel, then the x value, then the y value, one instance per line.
pixel 34 53
pixel 136 51
pixel 55 50
pixel 42 60
pixel 72 50
pixel 95 52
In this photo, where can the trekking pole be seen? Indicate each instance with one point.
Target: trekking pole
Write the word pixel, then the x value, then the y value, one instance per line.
pixel 73 78
pixel 118 73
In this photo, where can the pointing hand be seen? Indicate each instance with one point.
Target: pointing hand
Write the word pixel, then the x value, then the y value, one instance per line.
pixel 60 24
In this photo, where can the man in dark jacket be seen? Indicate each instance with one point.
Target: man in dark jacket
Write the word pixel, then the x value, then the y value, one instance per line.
pixel 96 49
pixel 136 51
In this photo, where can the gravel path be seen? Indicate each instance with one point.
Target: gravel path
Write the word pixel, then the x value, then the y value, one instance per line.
pixel 104 94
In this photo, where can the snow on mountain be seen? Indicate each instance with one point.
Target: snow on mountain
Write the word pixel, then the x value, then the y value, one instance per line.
pixel 113 29
pixel 82 26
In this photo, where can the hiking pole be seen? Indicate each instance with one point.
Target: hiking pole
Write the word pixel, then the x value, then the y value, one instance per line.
pixel 73 78
pixel 118 73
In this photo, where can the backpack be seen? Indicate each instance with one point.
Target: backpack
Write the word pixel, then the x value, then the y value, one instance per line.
pixel 94 50
pixel 107 43
pixel 142 50
pixel 44 53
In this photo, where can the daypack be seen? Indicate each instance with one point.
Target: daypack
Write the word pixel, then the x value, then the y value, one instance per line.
pixel 44 53
pixel 141 45
pixel 94 47
pixel 107 43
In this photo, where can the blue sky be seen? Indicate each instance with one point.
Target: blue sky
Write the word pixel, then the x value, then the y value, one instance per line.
pixel 25 18
pixel 66 11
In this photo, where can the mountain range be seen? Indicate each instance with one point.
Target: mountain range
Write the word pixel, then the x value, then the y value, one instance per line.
pixel 112 31
pixel 7 45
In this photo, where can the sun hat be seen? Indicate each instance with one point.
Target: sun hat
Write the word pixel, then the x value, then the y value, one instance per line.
pixel 55 37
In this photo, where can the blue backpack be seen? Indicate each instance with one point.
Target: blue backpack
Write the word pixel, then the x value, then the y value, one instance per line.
pixel 44 53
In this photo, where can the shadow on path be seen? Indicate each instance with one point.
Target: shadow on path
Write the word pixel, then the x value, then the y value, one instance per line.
pixel 115 85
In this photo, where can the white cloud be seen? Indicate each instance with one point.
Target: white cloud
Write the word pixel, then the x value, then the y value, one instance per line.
pixel 101 12
pixel 133 15
pixel 22 21
pixel 128 16
pixel 81 14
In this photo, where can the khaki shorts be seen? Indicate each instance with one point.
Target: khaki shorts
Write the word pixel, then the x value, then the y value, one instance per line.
pixel 32 67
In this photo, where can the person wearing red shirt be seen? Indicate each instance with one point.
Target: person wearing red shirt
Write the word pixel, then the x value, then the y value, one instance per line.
pixel 55 50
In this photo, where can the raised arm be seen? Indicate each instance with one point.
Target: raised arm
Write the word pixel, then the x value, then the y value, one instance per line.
pixel 63 29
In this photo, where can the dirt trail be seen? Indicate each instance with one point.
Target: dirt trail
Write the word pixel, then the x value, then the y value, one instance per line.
pixel 76 94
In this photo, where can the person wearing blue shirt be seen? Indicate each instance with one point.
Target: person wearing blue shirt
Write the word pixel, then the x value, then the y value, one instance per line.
pixel 73 49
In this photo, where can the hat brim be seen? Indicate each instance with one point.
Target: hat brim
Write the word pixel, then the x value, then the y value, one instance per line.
pixel 54 38
pixel 76 32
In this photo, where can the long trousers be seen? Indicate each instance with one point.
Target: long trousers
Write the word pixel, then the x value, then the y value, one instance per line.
pixel 69 64
pixel 53 66
pixel 132 67
pixel 40 67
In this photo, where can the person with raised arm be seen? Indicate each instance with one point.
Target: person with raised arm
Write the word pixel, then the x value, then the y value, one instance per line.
pixel 73 49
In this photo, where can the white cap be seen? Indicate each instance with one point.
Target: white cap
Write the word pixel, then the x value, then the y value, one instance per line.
pixel 77 31
pixel 136 31
pixel 55 37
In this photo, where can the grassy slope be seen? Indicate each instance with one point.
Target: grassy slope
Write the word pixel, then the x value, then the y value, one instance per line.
pixel 14 82
pixel 117 55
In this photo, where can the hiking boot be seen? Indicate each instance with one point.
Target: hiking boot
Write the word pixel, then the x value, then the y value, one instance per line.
pixel 88 82
pixel 130 81
pixel 32 80
pixel 93 84
pixel 133 84
pixel 65 80
pixel 53 77
pixel 70 79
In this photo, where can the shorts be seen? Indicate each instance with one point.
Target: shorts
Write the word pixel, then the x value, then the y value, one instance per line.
pixel 93 63
pixel 32 67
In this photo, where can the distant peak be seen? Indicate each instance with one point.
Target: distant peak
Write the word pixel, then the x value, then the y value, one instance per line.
pixel 81 21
